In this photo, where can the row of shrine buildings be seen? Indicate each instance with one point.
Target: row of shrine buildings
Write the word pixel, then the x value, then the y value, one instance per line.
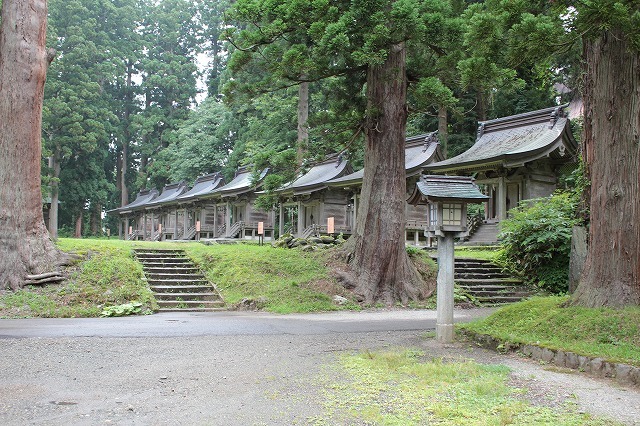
pixel 514 158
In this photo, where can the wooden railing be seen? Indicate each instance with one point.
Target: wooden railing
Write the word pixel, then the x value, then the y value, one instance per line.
pixel 191 232
pixel 235 229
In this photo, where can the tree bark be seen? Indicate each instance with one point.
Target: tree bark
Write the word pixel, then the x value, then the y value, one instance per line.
pixel 78 231
pixel 25 246
pixel 381 267
pixel 303 117
pixel 611 275
pixel 443 128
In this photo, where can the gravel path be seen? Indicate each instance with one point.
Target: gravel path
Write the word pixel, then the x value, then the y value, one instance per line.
pixel 232 380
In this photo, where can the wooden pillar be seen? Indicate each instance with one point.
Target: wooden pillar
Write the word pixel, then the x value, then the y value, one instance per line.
pixel 126 228
pixel 444 291
pixel 355 212
pixel 502 199
pixel 228 219
pixel 153 227
pixel 175 223
pixel 185 222
pixel 416 237
pixel 300 219
pixel 215 220
pixel 144 229
pixel 281 220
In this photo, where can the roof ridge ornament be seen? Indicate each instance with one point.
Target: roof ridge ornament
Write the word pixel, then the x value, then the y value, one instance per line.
pixel 555 114
pixel 481 125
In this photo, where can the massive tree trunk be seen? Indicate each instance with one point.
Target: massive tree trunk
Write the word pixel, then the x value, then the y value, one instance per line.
pixel 381 267
pixel 611 275
pixel 25 246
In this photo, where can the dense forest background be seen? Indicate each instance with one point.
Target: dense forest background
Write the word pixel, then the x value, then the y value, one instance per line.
pixel 147 92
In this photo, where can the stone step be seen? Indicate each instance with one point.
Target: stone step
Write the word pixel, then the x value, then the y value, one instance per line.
pixel 494 281
pixel 190 304
pixel 484 275
pixel 177 284
pixel 157 289
pixel 172 269
pixel 209 296
pixel 164 275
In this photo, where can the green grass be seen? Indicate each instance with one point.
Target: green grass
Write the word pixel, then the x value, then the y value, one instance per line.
pixel 611 334
pixel 404 388
pixel 107 276
pixel 283 280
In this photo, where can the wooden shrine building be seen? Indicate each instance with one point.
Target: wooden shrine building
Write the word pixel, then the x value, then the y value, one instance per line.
pixel 307 202
pixel 516 158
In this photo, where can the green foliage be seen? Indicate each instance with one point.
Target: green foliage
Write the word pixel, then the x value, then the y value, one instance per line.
pixel 536 240
pixel 611 334
pixel 409 388
pixel 125 309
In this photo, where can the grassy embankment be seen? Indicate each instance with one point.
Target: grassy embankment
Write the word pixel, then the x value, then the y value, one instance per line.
pixel 611 334
pixel 280 280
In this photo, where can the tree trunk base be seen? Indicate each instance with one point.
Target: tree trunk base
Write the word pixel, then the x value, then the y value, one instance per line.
pixel 21 257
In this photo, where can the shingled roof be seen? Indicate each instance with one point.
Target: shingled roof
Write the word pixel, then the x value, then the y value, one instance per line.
pixel 316 178
pixel 143 197
pixel 169 193
pixel 419 151
pixel 446 188
pixel 202 187
pixel 515 140
pixel 240 184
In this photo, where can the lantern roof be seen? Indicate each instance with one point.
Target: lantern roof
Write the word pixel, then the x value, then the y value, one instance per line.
pixel 432 188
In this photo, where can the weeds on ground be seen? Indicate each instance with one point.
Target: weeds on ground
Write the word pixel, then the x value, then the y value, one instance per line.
pixel 404 388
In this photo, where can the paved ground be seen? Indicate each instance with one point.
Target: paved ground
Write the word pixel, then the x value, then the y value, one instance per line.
pixel 229 368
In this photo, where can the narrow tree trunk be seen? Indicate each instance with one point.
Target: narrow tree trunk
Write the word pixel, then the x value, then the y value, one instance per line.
pixel 54 165
pixel 25 246
pixel 96 220
pixel 443 129
pixel 611 275
pixel 303 117
pixel 78 231
pixel 380 265
pixel 124 197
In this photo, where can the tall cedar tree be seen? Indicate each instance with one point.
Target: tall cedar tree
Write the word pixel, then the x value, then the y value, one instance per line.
pixel 611 144
pixel 25 246
pixel 370 40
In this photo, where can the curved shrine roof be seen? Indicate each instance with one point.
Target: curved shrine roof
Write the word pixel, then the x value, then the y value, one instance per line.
pixel 144 196
pixel 203 186
pixel 169 193
pixel 515 140
pixel 419 151
pixel 240 184
pixel 317 176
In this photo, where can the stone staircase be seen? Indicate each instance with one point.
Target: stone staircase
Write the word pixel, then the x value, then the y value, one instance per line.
pixel 487 283
pixel 486 234
pixel 177 284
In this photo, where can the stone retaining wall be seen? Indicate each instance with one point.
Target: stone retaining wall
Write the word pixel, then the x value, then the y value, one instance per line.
pixel 622 373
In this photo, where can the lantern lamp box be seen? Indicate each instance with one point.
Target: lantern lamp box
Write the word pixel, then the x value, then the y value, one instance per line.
pixel 447 198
